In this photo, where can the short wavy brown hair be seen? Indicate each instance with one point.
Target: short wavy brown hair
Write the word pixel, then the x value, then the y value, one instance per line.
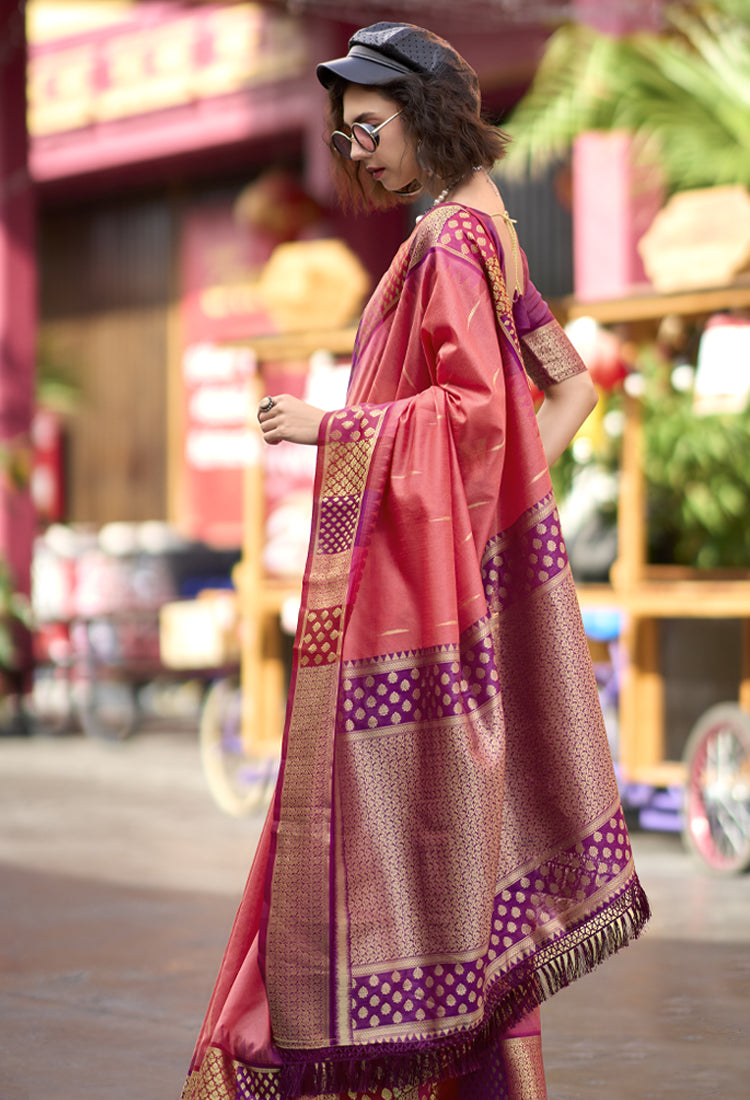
pixel 450 135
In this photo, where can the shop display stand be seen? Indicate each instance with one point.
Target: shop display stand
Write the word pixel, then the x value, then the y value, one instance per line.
pixel 647 594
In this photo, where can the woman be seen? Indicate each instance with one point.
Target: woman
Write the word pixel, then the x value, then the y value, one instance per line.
pixel 446 846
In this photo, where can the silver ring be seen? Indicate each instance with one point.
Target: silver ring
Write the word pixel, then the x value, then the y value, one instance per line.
pixel 266 405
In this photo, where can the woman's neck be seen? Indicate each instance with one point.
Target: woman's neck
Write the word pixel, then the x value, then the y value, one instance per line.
pixel 479 192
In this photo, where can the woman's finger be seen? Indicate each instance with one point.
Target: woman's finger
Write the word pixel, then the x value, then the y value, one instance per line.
pixel 265 406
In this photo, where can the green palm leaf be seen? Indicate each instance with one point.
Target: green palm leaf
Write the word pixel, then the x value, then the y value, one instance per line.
pixel 684 95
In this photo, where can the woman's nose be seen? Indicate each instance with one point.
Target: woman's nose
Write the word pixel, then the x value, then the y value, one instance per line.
pixel 358 153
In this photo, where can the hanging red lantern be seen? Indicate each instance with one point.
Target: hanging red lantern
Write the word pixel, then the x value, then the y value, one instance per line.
pixel 601 351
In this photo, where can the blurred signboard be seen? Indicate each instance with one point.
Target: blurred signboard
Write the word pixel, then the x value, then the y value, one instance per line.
pixel 156 59
pixel 239 286
pixel 700 238
pixel 220 304
pixel 722 379
pixel 288 469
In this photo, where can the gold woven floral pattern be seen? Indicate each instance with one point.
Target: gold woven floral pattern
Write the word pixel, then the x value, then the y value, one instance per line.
pixel 549 357
pixel 298 983
pixel 216 1079
pixel 524 1068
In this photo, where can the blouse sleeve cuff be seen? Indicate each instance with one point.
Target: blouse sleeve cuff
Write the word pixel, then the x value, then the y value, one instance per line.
pixel 549 356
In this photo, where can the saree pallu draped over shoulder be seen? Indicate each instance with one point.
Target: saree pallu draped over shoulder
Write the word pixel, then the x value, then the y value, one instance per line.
pixel 446 847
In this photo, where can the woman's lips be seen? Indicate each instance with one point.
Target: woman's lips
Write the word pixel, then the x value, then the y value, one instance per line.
pixel 376 173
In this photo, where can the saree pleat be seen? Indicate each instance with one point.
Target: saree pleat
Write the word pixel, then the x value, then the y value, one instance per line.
pixel 446 846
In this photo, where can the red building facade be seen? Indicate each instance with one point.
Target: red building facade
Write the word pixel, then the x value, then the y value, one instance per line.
pixel 144 202
pixel 178 117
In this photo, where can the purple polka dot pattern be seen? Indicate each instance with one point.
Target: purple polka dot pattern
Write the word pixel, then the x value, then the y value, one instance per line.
pixel 254 1085
pixel 432 692
pixel 436 689
pixel 517 563
pixel 338 522
pixel 418 994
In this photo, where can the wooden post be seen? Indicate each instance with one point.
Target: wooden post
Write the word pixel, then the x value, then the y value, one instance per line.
pixel 614 203
pixel 262 663
pixel 629 568
pixel 642 686
pixel 646 735
pixel 745 668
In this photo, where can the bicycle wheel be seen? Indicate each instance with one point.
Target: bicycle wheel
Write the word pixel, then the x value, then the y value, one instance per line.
pixel 107 709
pixel 717 794
pixel 239 783
pixel 50 703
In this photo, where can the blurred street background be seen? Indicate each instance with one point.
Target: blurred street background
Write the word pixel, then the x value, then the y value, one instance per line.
pixel 120 879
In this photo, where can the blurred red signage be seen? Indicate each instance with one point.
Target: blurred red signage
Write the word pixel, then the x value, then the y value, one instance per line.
pixel 219 264
pixel 154 59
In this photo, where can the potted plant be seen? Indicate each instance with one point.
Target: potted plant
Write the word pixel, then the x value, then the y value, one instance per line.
pixel 15 617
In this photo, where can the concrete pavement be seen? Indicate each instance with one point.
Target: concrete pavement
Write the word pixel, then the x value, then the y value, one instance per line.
pixel 119 879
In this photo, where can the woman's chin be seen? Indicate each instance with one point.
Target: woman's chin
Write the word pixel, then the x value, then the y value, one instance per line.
pixel 409 190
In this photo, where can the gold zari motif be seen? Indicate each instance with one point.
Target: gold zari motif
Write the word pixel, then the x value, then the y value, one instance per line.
pixel 215 1080
pixel 524 1068
pixel 549 357
pixel 300 879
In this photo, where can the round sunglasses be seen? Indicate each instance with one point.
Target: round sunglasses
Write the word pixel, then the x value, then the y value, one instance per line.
pixel 366 136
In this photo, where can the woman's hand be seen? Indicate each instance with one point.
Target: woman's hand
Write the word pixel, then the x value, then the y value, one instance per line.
pixel 289 419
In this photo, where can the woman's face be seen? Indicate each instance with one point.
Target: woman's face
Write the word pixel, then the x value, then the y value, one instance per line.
pixel 393 163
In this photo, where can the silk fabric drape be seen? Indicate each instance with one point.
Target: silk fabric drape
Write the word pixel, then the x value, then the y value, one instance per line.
pixel 446 847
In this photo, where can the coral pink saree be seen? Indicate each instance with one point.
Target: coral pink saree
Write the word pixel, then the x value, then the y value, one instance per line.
pixel 446 846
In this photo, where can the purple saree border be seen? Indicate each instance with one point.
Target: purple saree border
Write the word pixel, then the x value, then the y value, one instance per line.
pixel 603 909
pixel 576 952
pixel 524 913
pixel 444 681
pixel 370 501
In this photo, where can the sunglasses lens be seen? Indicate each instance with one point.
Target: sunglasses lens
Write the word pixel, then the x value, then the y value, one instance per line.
pixel 364 138
pixel 342 144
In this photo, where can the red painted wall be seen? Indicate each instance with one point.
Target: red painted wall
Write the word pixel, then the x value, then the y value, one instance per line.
pixel 17 305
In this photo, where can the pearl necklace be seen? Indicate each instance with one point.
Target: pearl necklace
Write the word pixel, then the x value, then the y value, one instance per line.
pixel 447 190
pixel 452 186
pixel 444 194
